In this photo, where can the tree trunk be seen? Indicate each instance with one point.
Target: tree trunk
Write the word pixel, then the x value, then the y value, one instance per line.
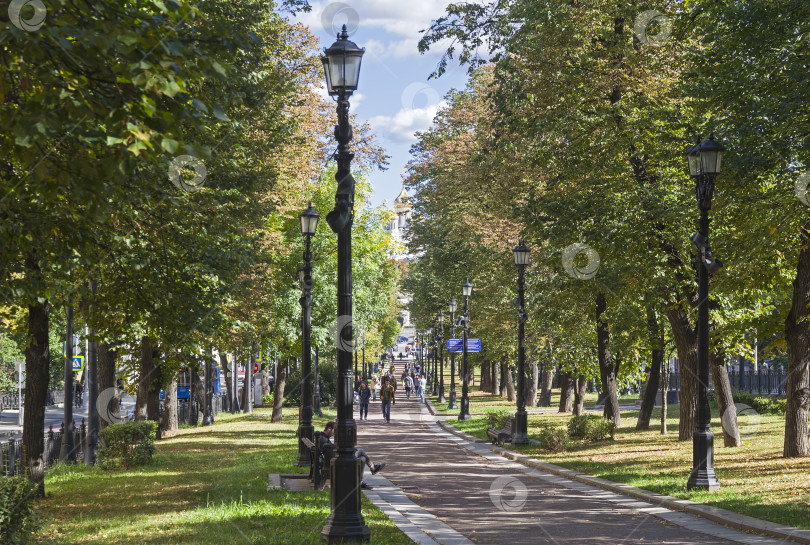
pixel 608 368
pixel 509 382
pixel 686 342
pixel 725 402
pixel 486 386
pixel 651 392
pixel 199 394
pixel 170 420
pixel 278 393
pixel 566 393
pixel 225 371
pixel 495 385
pixel 144 380
pixel 654 378
pixel 106 380
pixel 664 390
pixel 153 396
pixel 502 384
pixel 531 395
pixel 546 378
pixel 37 363
pixel 797 334
pixel 266 382
pixel 579 395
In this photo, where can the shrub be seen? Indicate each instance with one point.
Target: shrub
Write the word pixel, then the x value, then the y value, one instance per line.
pixel 576 426
pixel 18 518
pixel 327 375
pixel 554 439
pixel 498 419
pixel 762 404
pixel 267 400
pixel 591 428
pixel 128 444
pixel 599 429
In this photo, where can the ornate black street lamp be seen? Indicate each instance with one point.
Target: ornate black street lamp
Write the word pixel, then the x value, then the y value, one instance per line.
pixel 451 404
pixel 341 63
pixel 439 341
pixel 309 223
pixel 704 166
pixel 464 321
pixel 519 434
pixel 434 359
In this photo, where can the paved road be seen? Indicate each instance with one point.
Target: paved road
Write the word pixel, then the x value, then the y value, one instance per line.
pixel 53 416
pixel 493 501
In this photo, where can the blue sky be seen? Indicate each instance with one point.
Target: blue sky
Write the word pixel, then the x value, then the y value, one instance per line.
pixel 394 94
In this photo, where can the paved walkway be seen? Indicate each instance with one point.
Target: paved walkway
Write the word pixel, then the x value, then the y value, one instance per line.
pixel 440 488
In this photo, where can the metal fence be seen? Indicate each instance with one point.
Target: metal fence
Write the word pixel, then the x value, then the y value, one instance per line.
pixel 11 401
pixel 11 451
pixel 764 382
pixel 188 412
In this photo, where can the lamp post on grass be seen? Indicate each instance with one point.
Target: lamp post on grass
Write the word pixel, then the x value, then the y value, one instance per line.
pixel 704 166
pixel 341 62
pixel 466 291
pixel 309 223
pixel 439 341
pixel 451 404
pixel 520 433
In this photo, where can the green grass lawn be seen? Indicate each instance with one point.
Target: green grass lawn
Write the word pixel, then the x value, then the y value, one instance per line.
pixel 206 486
pixel 755 479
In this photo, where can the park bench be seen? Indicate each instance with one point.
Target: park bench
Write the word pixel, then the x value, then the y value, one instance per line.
pixel 318 463
pixel 499 437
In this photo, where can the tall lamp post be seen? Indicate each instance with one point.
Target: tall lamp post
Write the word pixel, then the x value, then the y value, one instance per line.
pixel 434 336
pixel 451 404
pixel 466 291
pixel 520 433
pixel 704 166
pixel 341 63
pixel 439 341
pixel 309 223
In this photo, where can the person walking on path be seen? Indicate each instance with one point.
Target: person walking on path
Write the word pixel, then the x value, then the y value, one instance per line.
pixel 375 387
pixel 365 396
pixel 387 397
pixel 422 386
pixel 408 386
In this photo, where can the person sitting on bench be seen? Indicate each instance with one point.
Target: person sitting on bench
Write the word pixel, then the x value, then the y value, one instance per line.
pixel 328 449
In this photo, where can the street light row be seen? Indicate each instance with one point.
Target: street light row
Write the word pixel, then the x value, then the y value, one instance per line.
pixel 345 524
pixel 704 160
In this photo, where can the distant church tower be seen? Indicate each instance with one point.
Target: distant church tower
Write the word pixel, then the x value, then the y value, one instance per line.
pixel 398 228
pixel 400 224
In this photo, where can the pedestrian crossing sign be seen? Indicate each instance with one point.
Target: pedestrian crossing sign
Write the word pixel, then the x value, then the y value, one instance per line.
pixel 78 363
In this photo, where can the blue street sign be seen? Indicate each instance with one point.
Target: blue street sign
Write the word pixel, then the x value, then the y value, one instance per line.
pixel 78 363
pixel 454 345
pixel 259 356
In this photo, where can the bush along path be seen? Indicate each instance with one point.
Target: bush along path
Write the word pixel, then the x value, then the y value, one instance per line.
pixel 489 499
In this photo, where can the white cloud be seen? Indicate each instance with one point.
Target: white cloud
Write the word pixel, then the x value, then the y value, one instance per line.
pixel 405 19
pixel 402 126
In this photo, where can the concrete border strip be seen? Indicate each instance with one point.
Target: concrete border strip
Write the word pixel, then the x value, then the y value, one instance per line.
pixel 421 526
pixel 715 514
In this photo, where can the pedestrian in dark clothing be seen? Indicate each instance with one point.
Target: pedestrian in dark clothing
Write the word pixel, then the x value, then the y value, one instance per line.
pixel 365 396
pixel 387 397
